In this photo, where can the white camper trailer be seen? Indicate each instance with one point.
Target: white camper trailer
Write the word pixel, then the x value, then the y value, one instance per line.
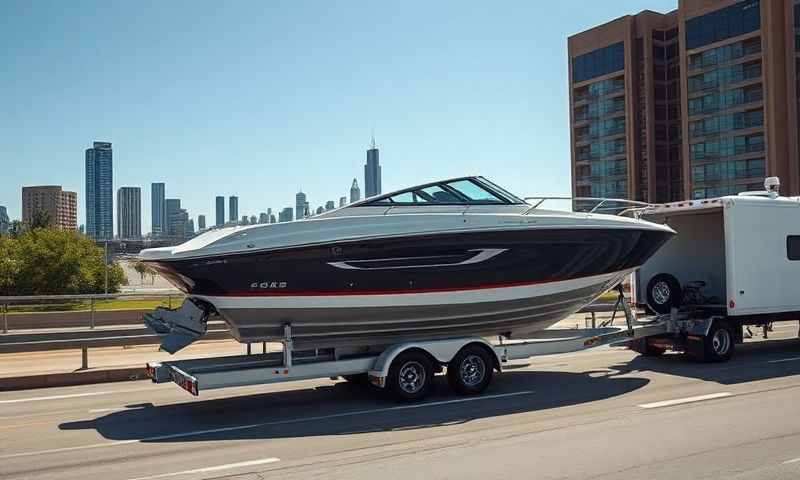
pixel 735 262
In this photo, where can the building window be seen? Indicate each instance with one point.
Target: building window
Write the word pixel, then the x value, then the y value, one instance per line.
pixel 726 171
pixel 598 62
pixel 714 102
pixel 727 146
pixel 725 53
pixel 793 247
pixel 738 19
pixel 724 123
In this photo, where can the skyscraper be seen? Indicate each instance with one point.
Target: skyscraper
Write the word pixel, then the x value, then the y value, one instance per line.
pixel 355 192
pixel 263 218
pixel 695 103
pixel 270 216
pixel 4 221
pixel 61 206
pixel 158 209
pixel 320 209
pixel 372 171
pixel 129 213
pixel 342 201
pixel 329 205
pixel 179 224
pixel 244 220
pixel 253 220
pixel 220 211
pixel 99 191
pixel 233 208
pixel 300 205
pixel 285 215
pixel 173 207
pixel 201 222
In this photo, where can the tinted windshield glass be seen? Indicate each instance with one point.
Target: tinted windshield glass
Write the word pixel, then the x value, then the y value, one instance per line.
pixel 464 191
pixel 474 192
pixel 439 195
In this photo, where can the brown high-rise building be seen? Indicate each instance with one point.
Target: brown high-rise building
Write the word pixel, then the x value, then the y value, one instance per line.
pixel 698 102
pixel 61 206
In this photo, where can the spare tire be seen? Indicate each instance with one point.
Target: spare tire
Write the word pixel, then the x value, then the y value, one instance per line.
pixel 663 293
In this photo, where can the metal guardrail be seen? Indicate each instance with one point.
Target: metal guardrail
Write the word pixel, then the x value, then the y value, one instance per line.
pixel 89 336
pixel 40 300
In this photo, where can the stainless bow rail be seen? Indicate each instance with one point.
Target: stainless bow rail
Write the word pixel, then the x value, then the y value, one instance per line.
pixel 602 204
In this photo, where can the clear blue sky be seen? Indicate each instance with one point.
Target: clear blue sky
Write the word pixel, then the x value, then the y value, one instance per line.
pixel 261 98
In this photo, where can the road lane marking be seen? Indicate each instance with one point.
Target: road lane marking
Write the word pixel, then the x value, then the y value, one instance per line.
pixel 681 401
pixel 71 395
pixel 794 460
pixel 781 360
pixel 216 468
pixel 251 426
pixel 114 409
pixel 54 397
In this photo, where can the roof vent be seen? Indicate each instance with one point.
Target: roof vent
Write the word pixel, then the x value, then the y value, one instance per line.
pixel 773 186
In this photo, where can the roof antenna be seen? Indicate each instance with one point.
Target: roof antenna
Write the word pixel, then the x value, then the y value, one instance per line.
pixel 372 145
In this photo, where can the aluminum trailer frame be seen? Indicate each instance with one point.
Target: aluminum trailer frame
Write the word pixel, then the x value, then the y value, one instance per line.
pixel 376 365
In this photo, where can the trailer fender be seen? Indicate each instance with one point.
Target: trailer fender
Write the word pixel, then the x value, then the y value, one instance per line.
pixel 441 351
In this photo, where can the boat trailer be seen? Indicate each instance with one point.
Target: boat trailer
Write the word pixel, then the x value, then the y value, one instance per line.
pixel 392 366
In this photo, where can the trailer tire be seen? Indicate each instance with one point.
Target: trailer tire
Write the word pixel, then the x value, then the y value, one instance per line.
pixel 663 293
pixel 410 376
pixel 470 371
pixel 719 343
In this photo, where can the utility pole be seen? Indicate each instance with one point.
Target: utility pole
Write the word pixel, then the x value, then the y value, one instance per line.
pixel 106 269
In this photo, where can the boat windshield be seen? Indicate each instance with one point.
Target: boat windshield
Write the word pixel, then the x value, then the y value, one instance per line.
pixel 462 191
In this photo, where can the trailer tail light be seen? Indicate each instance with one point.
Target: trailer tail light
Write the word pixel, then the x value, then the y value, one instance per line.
pixel 731 304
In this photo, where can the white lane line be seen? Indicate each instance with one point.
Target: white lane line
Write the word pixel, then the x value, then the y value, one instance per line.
pixel 71 395
pixel 114 409
pixel 794 460
pixel 680 401
pixel 260 425
pixel 216 468
pixel 54 397
pixel 781 360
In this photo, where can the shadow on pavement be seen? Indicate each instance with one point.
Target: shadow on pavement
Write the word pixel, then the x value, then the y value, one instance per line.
pixel 752 361
pixel 343 408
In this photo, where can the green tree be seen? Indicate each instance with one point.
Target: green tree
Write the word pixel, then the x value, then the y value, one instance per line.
pixel 16 229
pixel 46 261
pixel 41 219
pixel 141 269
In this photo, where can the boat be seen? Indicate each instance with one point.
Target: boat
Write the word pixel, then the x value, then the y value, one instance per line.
pixel 450 258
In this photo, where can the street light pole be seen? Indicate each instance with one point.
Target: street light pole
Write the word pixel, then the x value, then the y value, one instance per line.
pixel 106 269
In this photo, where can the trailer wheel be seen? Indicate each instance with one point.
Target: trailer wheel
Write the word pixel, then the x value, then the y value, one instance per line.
pixel 719 343
pixel 410 376
pixel 470 371
pixel 663 293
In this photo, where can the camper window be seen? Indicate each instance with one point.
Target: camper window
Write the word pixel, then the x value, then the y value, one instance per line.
pixel 793 247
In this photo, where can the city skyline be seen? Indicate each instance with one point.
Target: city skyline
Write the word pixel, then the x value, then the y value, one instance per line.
pixel 65 89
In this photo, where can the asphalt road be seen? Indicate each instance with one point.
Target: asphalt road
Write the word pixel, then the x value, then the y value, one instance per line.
pixel 601 414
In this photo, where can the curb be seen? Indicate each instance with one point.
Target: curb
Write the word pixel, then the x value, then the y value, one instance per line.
pixel 78 377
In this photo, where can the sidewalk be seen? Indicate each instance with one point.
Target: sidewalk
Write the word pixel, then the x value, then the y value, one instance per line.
pixel 61 367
